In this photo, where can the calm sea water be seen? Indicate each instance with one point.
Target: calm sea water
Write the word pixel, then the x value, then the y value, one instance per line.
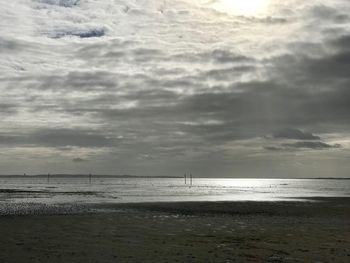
pixel 122 190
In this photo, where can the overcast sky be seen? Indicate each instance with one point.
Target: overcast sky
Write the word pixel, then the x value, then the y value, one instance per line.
pixel 152 87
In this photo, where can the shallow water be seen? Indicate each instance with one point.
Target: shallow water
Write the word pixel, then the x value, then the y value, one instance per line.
pixel 124 190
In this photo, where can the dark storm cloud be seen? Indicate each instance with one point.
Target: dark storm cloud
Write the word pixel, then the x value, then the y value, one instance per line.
pixel 295 134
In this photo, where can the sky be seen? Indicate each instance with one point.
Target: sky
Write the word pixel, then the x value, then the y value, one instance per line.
pixel 219 88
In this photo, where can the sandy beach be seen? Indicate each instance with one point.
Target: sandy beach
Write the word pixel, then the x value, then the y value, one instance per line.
pixel 182 232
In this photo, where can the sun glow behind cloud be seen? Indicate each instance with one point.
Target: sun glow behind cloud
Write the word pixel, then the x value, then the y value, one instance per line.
pixel 242 7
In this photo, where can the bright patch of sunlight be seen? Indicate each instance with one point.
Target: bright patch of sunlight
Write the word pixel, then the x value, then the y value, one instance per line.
pixel 242 7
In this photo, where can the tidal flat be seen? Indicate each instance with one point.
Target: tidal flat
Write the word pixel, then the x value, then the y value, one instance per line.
pixel 312 231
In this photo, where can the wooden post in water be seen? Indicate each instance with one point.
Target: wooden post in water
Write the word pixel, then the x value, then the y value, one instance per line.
pixel 190 179
pixel 185 178
pixel 48 178
pixel 90 176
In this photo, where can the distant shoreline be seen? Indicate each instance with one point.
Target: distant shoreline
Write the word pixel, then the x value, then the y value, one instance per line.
pixel 159 176
pixel 83 176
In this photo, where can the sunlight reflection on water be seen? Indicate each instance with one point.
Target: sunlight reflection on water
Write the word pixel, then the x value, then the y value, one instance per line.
pixel 117 190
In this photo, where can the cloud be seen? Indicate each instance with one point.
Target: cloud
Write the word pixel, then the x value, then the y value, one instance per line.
pixel 228 73
pixel 62 3
pixel 294 134
pixel 273 148
pixel 8 108
pixel 333 14
pixel 311 145
pixel 180 83
pixel 98 32
pixel 303 145
pixel 78 81
pixel 342 42
pixel 226 56
pixel 59 138
pixel 79 160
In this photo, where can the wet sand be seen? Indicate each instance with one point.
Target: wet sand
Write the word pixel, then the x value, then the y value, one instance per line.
pixel 182 232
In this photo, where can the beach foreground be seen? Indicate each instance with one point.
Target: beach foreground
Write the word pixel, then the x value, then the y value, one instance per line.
pixel 183 232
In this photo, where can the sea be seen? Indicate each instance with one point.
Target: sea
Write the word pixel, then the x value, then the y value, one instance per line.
pixel 82 190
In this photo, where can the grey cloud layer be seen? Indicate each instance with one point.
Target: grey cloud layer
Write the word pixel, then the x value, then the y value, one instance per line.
pixel 153 83
pixel 59 138
pixel 295 134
